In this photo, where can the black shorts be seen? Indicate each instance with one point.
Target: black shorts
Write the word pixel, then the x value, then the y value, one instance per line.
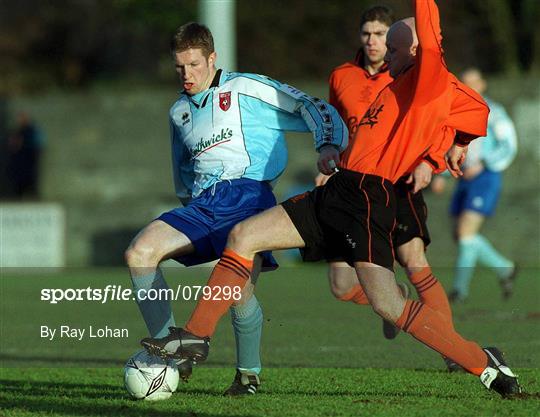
pixel 411 215
pixel 350 218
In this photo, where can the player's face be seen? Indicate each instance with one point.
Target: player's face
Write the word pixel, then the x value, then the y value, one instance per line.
pixel 373 37
pixel 195 70
pixel 399 54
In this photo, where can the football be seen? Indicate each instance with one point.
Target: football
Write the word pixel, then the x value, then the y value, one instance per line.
pixel 149 377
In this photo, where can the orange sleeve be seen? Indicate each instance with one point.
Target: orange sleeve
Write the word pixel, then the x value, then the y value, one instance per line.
pixel 468 115
pixel 432 72
pixel 435 157
pixel 467 121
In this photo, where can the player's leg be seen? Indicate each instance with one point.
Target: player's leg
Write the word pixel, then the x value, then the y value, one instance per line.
pixel 411 238
pixel 412 257
pixel 481 200
pixel 269 230
pixel 155 242
pixel 468 224
pixel 231 274
pixel 344 283
pixel 489 193
pixel 247 321
pixel 372 255
pixel 432 329
pixel 344 286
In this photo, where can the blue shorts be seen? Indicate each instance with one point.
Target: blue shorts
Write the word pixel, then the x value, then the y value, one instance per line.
pixel 208 219
pixel 480 194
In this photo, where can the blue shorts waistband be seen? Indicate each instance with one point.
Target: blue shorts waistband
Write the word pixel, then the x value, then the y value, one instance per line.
pixel 234 182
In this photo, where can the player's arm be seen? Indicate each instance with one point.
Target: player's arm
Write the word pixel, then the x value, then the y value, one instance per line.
pixel 180 163
pixel 504 133
pixel 286 108
pixel 432 72
pixel 468 115
pixel 435 157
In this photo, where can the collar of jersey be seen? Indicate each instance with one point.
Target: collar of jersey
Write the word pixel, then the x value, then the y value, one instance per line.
pixel 201 97
pixel 359 62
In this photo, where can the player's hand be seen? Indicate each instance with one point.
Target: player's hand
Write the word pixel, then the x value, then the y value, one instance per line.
pixel 321 179
pixel 472 171
pixel 328 159
pixel 454 159
pixel 420 177
pixel 438 184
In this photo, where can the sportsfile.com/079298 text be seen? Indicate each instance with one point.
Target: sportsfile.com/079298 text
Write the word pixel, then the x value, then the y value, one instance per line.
pixel 118 293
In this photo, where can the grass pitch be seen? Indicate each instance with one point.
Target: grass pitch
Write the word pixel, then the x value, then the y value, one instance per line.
pixel 321 357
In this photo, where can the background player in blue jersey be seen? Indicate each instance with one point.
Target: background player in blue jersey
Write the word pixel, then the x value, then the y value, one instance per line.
pixel 227 135
pixel 477 194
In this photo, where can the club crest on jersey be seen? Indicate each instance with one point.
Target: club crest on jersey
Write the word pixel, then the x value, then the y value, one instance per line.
pixel 225 100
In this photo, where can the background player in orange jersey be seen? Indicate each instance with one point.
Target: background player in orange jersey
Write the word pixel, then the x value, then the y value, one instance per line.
pixel 354 213
pixel 353 86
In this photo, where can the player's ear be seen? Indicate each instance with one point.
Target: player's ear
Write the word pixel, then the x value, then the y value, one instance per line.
pixel 212 58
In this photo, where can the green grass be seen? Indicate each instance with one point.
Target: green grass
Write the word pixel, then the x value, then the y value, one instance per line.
pixel 321 357
pixel 287 392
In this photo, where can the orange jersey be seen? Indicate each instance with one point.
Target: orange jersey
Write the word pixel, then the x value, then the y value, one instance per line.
pixel 411 117
pixel 467 120
pixel 353 89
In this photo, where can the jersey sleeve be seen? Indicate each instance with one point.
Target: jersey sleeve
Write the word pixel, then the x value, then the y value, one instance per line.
pixel 503 132
pixel 435 155
pixel 468 115
pixel 181 164
pixel 286 108
pixel 432 72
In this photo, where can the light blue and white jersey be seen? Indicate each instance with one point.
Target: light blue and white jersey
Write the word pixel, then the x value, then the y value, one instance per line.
pixel 498 149
pixel 235 129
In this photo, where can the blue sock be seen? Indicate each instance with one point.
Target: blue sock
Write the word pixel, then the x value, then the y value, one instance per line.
pixel 465 264
pixel 247 322
pixel 488 256
pixel 157 314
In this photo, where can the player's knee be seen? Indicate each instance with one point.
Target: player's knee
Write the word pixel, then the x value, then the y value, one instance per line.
pixel 138 255
pixel 414 259
pixel 339 288
pixel 412 254
pixel 238 237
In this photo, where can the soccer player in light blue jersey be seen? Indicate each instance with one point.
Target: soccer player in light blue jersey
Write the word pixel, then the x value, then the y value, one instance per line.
pixel 477 194
pixel 228 147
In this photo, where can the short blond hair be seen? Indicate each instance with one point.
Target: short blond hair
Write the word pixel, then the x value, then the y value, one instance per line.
pixel 193 35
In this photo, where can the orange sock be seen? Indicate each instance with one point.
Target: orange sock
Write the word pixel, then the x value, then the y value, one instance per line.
pixel 431 292
pixel 232 270
pixel 432 329
pixel 356 295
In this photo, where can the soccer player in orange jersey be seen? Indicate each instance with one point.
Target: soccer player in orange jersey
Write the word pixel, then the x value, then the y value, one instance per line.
pixel 354 213
pixel 353 86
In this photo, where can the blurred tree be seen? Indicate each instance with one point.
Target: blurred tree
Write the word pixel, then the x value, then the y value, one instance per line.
pixel 528 12
pixel 503 27
pixel 73 42
pixel 70 42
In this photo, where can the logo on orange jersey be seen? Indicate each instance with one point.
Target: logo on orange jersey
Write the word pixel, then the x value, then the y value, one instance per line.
pixel 365 94
pixel 371 117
